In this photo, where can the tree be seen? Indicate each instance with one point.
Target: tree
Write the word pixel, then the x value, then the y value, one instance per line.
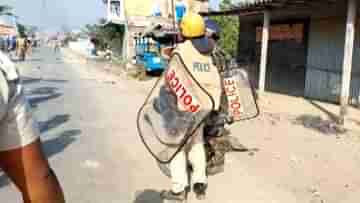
pixel 21 29
pixel 109 34
pixel 5 10
pixel 230 29
pixel 26 30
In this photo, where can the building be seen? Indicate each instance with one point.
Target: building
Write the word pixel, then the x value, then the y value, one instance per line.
pixel 305 48
pixel 7 26
pixel 139 14
pixel 6 30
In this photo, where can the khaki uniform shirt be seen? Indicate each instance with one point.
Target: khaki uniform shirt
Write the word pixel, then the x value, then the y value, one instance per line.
pixel 202 69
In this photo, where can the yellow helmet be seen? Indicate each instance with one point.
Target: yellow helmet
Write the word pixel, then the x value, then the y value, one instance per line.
pixel 192 25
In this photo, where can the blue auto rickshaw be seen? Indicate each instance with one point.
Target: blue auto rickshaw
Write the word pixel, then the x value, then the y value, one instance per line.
pixel 148 54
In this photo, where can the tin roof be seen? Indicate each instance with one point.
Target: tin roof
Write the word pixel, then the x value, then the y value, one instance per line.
pixel 250 3
pixel 252 7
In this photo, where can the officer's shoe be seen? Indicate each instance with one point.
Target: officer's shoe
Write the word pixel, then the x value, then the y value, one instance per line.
pixel 200 190
pixel 170 195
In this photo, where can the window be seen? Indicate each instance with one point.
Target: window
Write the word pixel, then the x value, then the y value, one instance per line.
pixel 115 8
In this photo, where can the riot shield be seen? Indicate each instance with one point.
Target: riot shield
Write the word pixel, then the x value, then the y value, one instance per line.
pixel 175 108
pixel 240 95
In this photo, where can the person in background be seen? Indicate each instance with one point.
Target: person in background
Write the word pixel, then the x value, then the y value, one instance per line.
pixel 56 45
pixel 13 42
pixel 12 46
pixel 21 48
pixel 92 47
pixel 2 43
pixel 8 44
pixel 29 45
pixel 108 52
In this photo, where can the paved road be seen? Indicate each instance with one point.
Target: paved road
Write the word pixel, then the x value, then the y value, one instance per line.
pixel 87 119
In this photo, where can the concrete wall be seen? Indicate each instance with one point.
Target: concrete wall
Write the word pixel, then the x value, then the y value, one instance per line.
pixel 138 7
pixel 144 7
pixel 325 58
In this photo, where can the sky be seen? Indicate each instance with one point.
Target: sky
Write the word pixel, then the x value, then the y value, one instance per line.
pixel 56 13
pixel 215 4
pixel 53 14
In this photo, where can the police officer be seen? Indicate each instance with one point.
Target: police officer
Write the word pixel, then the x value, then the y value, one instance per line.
pixel 21 157
pixel 195 53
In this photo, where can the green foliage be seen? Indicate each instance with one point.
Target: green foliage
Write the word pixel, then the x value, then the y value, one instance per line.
pixel 230 30
pixel 110 34
pixel 5 10
pixel 21 29
pixel 25 30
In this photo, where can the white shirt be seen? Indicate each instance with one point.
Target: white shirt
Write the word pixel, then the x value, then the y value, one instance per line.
pixel 8 73
pixel 4 96
pixel 8 67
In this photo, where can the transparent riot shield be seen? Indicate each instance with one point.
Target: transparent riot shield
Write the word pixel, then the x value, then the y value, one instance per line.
pixel 174 109
pixel 239 93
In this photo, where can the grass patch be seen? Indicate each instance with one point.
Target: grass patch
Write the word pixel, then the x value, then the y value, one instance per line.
pixel 118 61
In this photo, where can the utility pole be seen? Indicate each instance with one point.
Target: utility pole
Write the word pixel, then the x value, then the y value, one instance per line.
pixel 173 13
pixel 264 51
pixel 348 59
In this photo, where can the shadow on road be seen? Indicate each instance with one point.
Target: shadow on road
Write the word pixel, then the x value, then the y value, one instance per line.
pixel 58 144
pixel 43 90
pixel 29 80
pixel 148 196
pixel 53 122
pixel 34 101
pixel 42 94
pixel 4 180
pixel 331 115
pixel 35 60
pixel 17 60
pixel 326 127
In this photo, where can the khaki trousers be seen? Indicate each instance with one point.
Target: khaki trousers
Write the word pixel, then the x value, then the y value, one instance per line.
pixel 194 153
